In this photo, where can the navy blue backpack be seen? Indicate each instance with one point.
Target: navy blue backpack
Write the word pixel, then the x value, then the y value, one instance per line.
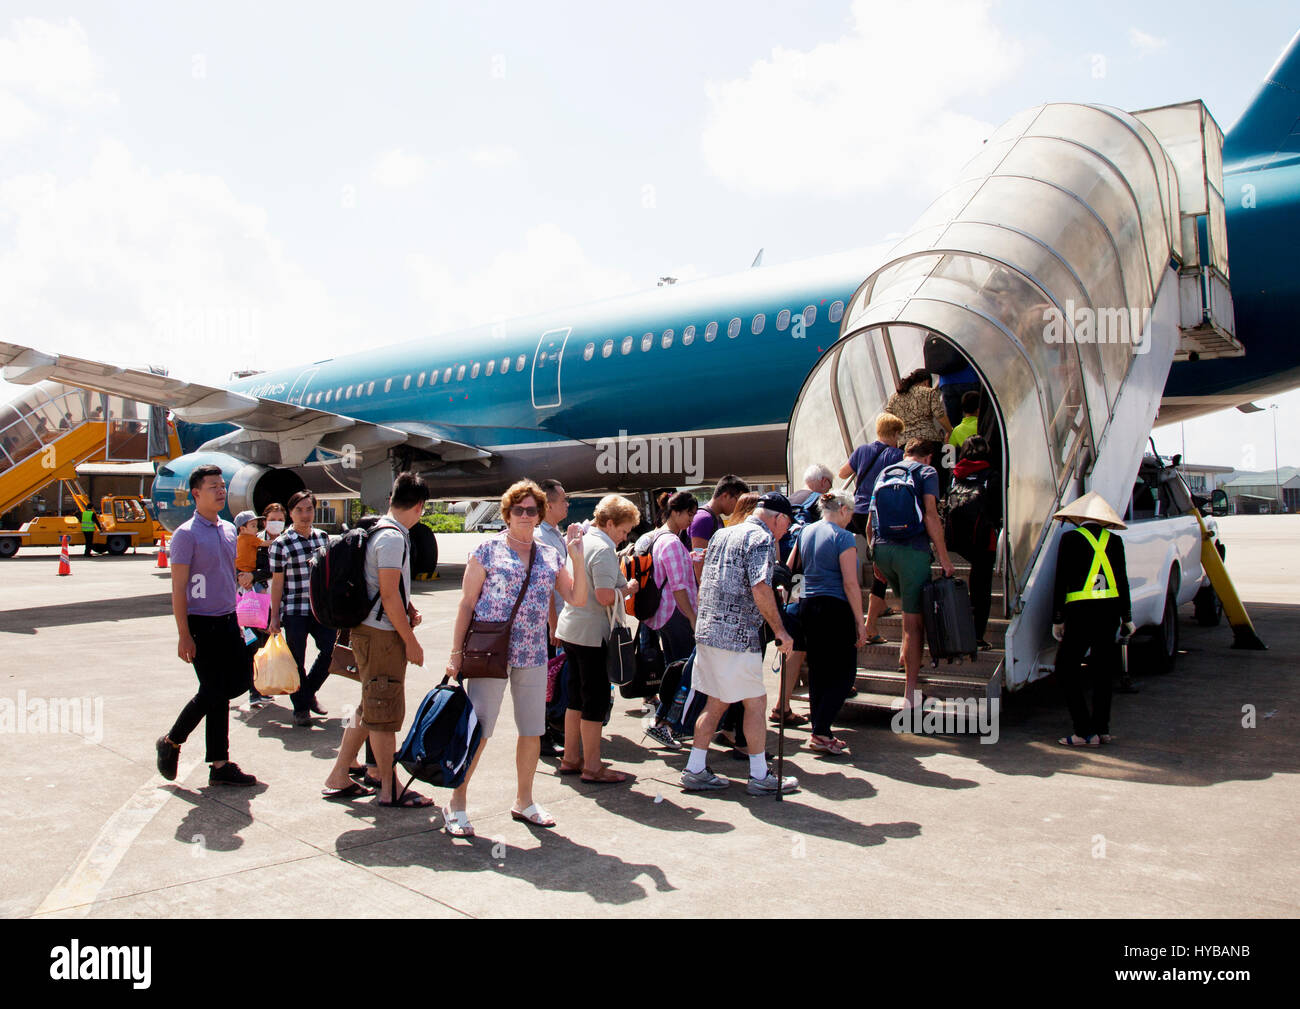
pixel 896 503
pixel 443 739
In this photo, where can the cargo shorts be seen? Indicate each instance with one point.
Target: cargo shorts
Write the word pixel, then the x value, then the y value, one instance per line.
pixel 381 664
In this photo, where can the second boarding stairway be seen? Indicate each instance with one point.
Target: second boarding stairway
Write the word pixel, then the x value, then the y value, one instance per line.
pixel 1079 254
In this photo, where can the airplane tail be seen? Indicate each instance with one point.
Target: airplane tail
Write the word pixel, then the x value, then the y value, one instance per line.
pixel 1269 128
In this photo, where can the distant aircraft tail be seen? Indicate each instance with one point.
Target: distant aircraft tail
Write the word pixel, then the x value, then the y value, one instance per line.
pixel 1269 129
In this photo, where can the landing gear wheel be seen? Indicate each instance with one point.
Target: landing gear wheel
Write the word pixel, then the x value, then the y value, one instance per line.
pixel 1209 607
pixel 1164 639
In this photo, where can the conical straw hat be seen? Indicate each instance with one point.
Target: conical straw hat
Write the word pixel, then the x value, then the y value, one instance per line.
pixel 1092 507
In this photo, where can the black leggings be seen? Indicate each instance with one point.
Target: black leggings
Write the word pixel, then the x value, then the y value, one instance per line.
pixel 1095 633
pixel 832 657
pixel 588 681
pixel 981 587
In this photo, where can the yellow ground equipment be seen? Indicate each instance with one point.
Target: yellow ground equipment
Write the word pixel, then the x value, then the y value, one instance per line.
pixel 122 523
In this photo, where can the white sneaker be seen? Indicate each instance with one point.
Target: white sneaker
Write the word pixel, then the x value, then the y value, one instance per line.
pixel 769 785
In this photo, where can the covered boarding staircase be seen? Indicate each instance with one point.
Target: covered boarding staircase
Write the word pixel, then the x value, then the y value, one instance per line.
pixel 1076 257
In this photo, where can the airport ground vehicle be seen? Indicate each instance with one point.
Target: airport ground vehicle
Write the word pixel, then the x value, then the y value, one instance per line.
pixel 122 522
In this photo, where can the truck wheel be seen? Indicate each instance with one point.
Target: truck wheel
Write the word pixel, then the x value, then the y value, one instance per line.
pixel 1164 639
pixel 118 545
pixel 8 546
pixel 1208 606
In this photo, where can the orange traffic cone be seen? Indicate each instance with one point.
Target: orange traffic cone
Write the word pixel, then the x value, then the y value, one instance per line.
pixel 64 567
pixel 162 553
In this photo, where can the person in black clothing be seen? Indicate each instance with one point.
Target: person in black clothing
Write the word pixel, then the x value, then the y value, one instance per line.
pixel 1089 606
pixel 973 520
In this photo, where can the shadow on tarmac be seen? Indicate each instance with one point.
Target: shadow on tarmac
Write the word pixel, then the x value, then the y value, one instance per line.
pixel 92 611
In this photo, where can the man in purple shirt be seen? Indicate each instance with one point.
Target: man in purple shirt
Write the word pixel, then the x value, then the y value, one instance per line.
pixel 203 603
pixel 708 519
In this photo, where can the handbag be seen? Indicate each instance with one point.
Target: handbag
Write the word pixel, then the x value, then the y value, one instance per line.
pixel 343 661
pixel 620 654
pixel 485 652
pixel 253 609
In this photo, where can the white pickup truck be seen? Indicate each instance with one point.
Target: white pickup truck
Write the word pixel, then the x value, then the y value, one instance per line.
pixel 1162 551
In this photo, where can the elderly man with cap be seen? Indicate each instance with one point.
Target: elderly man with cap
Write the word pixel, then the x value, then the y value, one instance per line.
pixel 1089 607
pixel 735 597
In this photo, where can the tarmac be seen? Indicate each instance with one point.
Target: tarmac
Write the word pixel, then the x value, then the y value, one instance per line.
pixel 1190 813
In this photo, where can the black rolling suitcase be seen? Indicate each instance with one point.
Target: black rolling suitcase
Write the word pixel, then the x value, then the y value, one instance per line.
pixel 948 618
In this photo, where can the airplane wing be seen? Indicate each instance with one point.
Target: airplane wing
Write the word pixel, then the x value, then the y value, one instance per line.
pixel 271 431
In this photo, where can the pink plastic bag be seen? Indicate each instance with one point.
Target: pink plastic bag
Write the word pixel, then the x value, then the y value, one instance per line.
pixel 254 610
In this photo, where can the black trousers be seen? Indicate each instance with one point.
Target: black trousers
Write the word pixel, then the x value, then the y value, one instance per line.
pixel 588 681
pixel 298 627
pixel 858 526
pixel 1092 634
pixel 225 670
pixel 981 587
pixel 832 657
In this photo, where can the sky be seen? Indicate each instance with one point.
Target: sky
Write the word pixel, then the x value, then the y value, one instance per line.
pixel 243 186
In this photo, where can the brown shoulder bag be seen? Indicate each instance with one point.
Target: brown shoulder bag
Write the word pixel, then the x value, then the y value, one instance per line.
pixel 486 650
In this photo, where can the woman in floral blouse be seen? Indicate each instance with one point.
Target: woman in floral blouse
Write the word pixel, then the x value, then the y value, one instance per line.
pixel 920 408
pixel 494 576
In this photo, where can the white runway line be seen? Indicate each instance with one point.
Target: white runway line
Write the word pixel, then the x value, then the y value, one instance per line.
pixel 80 887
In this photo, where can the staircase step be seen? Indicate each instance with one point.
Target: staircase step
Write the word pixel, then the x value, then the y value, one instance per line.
pixel 940 683
pixel 886 657
pixel 995 633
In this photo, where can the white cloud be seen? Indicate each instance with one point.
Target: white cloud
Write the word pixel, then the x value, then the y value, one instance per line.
pixel 16 117
pixel 872 110
pixel 137 267
pixel 1145 43
pixel 44 63
pixel 499 156
pixel 397 169
pixel 549 271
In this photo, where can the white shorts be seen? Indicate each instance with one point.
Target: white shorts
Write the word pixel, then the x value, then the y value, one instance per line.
pixel 527 696
pixel 728 676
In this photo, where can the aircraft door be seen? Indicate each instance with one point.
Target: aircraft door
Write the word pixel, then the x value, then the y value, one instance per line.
pixel 546 367
pixel 300 386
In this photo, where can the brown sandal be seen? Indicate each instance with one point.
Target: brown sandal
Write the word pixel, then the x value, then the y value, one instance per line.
pixel 570 768
pixel 605 776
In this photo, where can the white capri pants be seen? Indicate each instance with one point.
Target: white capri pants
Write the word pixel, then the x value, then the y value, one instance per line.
pixel 527 693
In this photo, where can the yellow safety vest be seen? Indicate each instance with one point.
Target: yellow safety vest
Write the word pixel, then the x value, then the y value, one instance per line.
pixel 87 521
pixel 1100 564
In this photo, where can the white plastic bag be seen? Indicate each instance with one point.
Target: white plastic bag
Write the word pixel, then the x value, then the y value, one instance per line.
pixel 274 669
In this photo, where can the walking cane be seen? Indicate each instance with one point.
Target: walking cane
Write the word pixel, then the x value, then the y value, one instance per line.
pixel 780 729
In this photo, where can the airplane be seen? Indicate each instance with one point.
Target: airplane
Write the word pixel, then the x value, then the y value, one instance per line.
pixel 705 372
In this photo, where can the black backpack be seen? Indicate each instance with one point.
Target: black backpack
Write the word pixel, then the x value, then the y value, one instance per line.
pixel 967 518
pixel 337 583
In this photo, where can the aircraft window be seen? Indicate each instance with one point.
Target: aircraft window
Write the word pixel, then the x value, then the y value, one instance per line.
pixel 433 377
pixel 688 336
pixel 360 388
pixel 329 396
pixel 446 375
pixel 519 363
pixel 473 372
pixel 710 332
pixel 406 382
pixel 782 320
pixel 810 315
pixel 667 339
pixel 588 352
pixel 607 348
pixel 491 367
pixel 757 325
pixel 388 385
pixel 419 382
pixel 733 328
pixel 370 389
pixel 627 345
pixel 460 373
pixel 647 341
pixel 338 393
pixel 836 312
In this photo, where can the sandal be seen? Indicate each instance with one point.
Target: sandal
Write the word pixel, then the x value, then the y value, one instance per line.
pixel 570 768
pixel 1106 737
pixel 605 776
pixel 456 823
pixel 411 800
pixel 352 791
pixel 1070 740
pixel 877 639
pixel 792 720
pixel 534 815
pixel 825 744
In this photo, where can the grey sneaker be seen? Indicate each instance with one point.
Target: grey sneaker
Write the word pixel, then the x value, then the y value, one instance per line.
pixel 768 785
pixel 662 735
pixel 702 781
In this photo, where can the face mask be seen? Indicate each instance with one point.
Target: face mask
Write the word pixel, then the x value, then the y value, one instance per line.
pixel 274 526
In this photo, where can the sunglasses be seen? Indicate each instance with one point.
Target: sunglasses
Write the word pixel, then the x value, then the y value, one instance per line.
pixel 519 510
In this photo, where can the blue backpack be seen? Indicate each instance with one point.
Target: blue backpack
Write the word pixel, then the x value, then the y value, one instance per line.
pixel 443 739
pixel 896 503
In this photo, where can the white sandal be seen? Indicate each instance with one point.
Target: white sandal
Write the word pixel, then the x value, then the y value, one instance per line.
pixel 534 815
pixel 457 823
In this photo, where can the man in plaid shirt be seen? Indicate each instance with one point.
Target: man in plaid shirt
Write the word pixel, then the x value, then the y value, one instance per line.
pixel 290 557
